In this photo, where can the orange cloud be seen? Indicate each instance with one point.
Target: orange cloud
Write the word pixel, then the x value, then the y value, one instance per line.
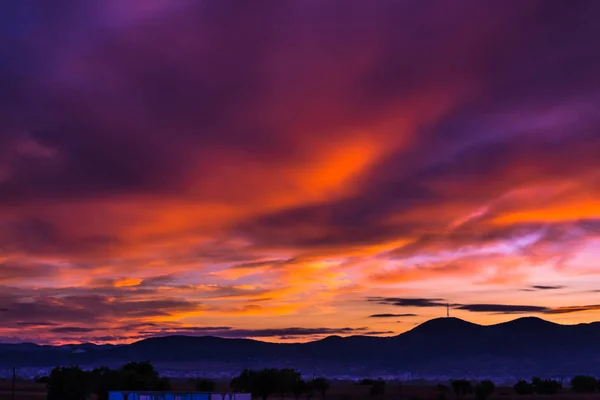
pixel 182 165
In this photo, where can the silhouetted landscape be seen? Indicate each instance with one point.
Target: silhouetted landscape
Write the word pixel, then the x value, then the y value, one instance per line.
pixel 277 199
pixel 443 347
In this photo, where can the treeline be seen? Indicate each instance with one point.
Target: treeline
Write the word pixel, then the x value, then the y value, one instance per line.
pixel 578 384
pixel 482 390
pixel 73 383
pixel 462 387
pixel 282 382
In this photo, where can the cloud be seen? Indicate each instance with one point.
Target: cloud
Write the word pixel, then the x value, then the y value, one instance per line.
pixel 544 287
pixel 525 309
pixel 26 307
pixel 409 302
pixel 36 323
pixel 573 309
pixel 16 271
pixel 72 329
pixel 502 308
pixel 477 307
pixel 176 164
pixel 289 333
pixel 391 315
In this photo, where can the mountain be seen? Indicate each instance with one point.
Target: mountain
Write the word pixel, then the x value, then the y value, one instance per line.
pixel 523 347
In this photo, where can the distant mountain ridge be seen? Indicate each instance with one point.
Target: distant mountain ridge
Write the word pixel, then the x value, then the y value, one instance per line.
pixel 444 346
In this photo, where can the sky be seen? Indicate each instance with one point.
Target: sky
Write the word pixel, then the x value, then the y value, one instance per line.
pixel 289 170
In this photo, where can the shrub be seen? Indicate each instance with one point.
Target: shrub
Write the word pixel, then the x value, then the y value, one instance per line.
pixel 546 386
pixel 461 387
pixel 377 388
pixel 584 384
pixel 523 388
pixel 484 389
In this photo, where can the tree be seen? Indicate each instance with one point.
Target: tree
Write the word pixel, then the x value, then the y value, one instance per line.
pixel 261 383
pixel 377 388
pixel 243 382
pixel 545 386
pixel 266 382
pixel 287 380
pixel 72 383
pixel 523 388
pixel 442 391
pixel 484 389
pixel 299 387
pixel 310 389
pixel 141 376
pixel 131 376
pixel 321 385
pixel 103 380
pixel 68 383
pixel 205 385
pixel 461 387
pixel 584 384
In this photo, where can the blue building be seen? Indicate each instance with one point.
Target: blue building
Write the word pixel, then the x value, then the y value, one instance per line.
pixel 169 395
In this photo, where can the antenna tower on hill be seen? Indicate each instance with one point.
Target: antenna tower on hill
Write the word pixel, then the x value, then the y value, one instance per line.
pixel 447 310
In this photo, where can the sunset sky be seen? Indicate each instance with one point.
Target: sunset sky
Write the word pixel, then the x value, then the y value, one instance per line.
pixel 288 170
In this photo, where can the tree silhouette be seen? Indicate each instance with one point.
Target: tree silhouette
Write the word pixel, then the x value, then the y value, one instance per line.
pixel 321 385
pixel 484 389
pixel 261 383
pixel 140 376
pixel 584 384
pixel 104 380
pixel 243 382
pixel 72 383
pixel 523 388
pixel 299 387
pixel 68 383
pixel 286 381
pixel 461 387
pixel 545 386
pixel 377 388
pixel 442 391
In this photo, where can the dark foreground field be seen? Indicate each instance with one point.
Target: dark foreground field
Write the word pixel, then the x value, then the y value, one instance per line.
pixel 340 390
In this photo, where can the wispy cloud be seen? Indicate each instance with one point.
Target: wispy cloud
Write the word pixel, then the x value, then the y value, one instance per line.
pixel 409 302
pixel 391 315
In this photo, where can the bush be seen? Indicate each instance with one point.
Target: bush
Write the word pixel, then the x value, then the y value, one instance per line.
pixel 442 390
pixel 546 386
pixel 484 389
pixel 68 383
pixel 584 384
pixel 377 388
pixel 523 388
pixel 461 387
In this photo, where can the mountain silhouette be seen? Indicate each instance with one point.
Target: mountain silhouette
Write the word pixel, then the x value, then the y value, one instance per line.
pixel 523 347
